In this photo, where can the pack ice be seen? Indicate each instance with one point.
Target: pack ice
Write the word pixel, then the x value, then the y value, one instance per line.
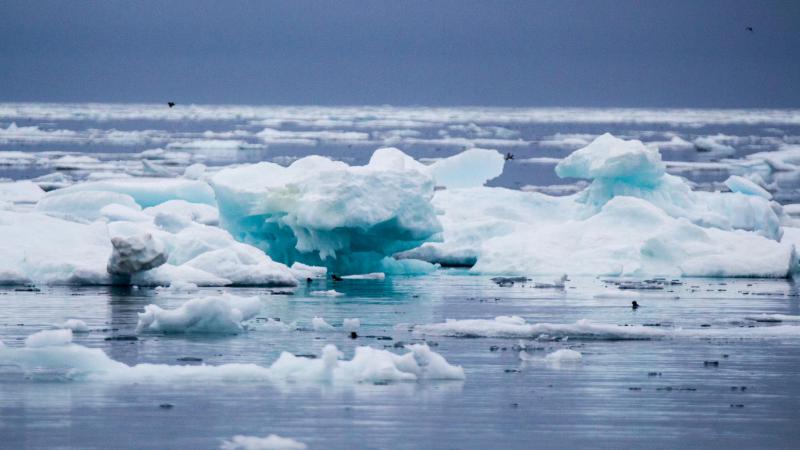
pixel 243 225
pixel 632 219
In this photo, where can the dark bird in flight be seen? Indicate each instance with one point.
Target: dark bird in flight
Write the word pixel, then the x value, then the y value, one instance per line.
pixel 634 305
pixel 750 29
pixel 509 156
pixel 170 104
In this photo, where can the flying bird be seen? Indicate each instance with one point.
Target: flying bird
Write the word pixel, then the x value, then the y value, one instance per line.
pixel 750 29
pixel 170 104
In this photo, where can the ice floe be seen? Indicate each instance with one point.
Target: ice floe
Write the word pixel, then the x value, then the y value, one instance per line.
pixel 53 351
pixel 517 327
pixel 632 219
pixel 210 315
pixel 271 442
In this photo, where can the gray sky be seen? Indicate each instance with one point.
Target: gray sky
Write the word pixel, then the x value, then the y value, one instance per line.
pixel 460 52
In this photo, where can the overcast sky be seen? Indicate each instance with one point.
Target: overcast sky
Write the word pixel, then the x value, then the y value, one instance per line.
pixel 460 52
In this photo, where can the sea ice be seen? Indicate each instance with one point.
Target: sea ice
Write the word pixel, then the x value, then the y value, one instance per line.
pixel 632 219
pixel 222 315
pixel 271 442
pixel 52 350
pixel 319 324
pixel 325 213
pixel 136 254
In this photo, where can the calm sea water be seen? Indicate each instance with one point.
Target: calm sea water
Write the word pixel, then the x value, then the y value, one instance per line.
pixel 645 394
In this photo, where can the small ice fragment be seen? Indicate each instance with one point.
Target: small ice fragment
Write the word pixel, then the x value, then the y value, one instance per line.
pixel 320 324
pixel 271 442
pixel 328 293
pixel 351 324
pixel 49 338
pixel 564 355
pixel 76 325
pixel 366 276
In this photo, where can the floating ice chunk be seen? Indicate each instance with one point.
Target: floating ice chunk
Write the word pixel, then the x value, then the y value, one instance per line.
pixel 713 144
pixel 563 356
pixel 785 159
pixel 272 325
pixel 16 158
pixel 51 181
pixel 49 338
pixel 515 327
pixel 83 206
pixel 366 276
pixel 351 324
pixel 243 266
pixel 303 271
pixel 328 293
pixel 136 254
pixel 368 365
pixel 179 286
pixel 322 212
pixel 76 325
pixel 740 184
pixel 558 284
pixel 223 314
pixel 470 168
pixel 54 352
pixel 271 442
pixel 151 191
pixel 588 330
pixel 610 157
pixel 630 236
pixel 319 324
pixel 45 250
pixel 20 192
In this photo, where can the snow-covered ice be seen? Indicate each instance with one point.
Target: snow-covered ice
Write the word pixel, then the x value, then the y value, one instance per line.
pixel 271 442
pixel 221 314
pixel 53 350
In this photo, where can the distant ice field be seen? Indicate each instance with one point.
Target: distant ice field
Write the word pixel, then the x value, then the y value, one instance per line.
pixel 137 139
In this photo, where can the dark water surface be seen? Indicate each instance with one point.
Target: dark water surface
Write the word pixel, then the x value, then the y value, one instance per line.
pixel 641 393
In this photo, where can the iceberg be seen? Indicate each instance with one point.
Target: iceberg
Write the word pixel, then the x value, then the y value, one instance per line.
pixel 101 237
pixel 632 219
pixel 325 213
